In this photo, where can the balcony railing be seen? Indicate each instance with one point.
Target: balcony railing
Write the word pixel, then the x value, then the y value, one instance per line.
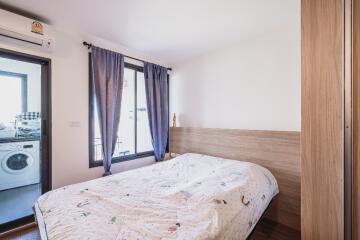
pixel 117 153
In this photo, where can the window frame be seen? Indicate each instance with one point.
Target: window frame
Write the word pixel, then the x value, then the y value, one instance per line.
pixel 92 162
pixel 24 91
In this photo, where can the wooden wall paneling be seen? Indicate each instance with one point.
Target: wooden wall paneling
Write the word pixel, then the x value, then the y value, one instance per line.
pixel 278 151
pixel 322 123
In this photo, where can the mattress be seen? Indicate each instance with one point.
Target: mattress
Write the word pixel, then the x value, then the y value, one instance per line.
pixel 192 196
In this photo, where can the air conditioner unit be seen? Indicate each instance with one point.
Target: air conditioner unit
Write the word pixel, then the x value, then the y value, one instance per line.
pixel 16 29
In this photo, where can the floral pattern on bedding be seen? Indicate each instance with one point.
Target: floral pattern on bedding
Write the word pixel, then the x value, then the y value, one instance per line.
pixel 190 197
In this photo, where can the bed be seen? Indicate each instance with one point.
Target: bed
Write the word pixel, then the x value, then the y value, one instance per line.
pixel 192 196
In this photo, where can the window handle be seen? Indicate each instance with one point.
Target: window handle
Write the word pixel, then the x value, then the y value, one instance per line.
pixel 44 128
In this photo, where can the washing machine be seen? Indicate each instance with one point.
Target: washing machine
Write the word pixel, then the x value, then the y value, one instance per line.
pixel 20 164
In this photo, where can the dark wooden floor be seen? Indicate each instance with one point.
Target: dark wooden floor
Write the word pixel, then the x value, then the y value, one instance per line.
pixel 266 229
pixel 270 230
pixel 27 233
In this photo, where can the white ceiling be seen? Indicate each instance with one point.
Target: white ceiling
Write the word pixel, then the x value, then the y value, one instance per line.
pixel 170 30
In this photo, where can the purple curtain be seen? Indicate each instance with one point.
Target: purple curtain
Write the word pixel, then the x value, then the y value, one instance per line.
pixel 156 85
pixel 107 79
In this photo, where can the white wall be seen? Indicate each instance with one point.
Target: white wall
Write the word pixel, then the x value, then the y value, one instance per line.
pixel 254 84
pixel 70 104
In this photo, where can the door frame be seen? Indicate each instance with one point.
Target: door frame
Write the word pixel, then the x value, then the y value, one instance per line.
pixel 356 120
pixel 46 126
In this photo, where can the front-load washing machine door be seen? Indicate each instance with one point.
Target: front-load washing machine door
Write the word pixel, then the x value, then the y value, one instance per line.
pixel 17 162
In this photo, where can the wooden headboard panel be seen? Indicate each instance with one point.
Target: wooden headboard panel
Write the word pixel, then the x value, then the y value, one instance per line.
pixel 278 151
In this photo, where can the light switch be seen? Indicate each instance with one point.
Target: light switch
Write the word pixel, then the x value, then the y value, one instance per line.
pixel 74 124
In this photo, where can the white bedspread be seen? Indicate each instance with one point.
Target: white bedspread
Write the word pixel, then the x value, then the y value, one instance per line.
pixel 190 197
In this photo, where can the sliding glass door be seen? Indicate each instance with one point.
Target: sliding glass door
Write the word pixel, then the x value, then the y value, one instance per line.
pixel 24 139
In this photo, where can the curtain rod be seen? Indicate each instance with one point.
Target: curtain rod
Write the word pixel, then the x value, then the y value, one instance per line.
pixel 89 45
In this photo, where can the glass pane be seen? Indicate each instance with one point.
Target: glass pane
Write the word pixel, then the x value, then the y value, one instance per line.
pixel 126 134
pixel 98 154
pixel 125 144
pixel 143 130
pixel 20 128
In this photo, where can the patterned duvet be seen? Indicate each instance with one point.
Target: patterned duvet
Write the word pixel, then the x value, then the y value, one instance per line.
pixel 190 197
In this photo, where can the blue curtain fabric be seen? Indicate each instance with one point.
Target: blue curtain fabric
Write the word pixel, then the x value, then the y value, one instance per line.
pixel 156 86
pixel 107 79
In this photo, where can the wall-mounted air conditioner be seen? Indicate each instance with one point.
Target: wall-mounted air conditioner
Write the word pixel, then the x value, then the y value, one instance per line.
pixel 16 29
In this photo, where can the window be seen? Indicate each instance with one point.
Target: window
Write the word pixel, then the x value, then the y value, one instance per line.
pixel 134 138
pixel 13 89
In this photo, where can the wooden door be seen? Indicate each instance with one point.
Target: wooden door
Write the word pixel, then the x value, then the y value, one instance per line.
pixel 322 123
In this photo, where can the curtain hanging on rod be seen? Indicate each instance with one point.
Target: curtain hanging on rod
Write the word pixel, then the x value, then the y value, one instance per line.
pixel 107 77
pixel 156 86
